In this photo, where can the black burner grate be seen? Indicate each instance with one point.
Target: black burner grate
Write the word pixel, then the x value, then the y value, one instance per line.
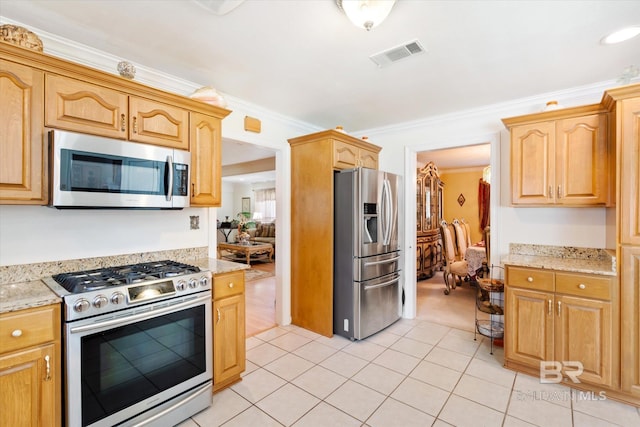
pixel 91 280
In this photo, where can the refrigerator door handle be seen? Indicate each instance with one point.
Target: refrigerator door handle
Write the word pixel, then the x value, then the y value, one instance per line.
pixel 384 261
pixel 386 212
pixel 382 285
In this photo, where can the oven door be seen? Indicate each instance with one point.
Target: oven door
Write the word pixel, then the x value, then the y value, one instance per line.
pixel 123 364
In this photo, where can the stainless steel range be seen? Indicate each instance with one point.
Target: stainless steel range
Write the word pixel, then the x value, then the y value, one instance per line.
pixel 137 343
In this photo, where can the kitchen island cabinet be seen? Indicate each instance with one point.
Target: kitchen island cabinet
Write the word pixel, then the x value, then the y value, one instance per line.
pixel 561 158
pixel 45 92
pixel 314 158
pixel 30 367
pixel 23 172
pixel 229 355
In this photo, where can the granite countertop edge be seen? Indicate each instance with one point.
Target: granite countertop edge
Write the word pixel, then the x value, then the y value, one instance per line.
pixel 35 293
pixel 589 266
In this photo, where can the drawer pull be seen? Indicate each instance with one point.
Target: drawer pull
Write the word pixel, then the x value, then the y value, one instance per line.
pixel 582 286
pixel 218 315
pixel 559 307
pixel 135 125
pixel 549 308
pixel 231 284
pixel 530 279
pixel 48 364
pixel 17 333
pixel 123 123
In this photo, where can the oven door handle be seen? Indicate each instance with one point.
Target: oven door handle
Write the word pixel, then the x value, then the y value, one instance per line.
pixel 125 320
pixel 159 415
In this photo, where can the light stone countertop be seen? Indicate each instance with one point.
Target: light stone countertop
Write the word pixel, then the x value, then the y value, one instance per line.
pixel 562 258
pixel 35 293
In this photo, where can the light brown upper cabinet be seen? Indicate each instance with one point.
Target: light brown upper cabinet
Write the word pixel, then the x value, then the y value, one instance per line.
pixel 347 155
pixel 206 160
pixel 561 157
pixel 23 177
pixel 84 107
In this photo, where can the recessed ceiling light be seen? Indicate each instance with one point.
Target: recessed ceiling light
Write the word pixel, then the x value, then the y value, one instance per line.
pixel 621 35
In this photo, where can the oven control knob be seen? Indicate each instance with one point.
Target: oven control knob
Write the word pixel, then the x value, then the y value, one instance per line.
pixel 117 298
pixel 204 281
pixel 81 305
pixel 192 283
pixel 182 285
pixel 100 301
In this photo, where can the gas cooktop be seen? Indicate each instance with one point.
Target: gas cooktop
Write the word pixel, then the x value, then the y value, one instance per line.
pixel 101 278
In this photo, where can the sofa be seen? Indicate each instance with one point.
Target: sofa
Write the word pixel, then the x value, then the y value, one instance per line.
pixel 264 232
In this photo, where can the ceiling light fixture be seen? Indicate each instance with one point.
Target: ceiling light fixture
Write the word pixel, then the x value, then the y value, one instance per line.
pixel 366 13
pixel 621 35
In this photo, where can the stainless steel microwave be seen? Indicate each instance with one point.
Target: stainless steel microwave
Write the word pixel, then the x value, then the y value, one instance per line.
pixel 94 172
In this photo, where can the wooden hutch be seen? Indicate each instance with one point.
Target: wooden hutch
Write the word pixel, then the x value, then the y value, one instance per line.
pixel 429 193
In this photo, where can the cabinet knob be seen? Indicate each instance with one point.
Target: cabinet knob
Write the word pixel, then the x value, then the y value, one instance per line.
pixel 17 333
pixel 582 286
pixel 231 284
pixel 529 279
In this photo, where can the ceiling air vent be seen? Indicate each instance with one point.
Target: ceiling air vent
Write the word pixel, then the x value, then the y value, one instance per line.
pixel 397 53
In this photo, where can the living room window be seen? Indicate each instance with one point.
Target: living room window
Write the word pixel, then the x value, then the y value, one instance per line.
pixel 265 203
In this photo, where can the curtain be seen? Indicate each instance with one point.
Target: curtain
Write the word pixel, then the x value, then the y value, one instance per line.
pixel 266 203
pixel 483 203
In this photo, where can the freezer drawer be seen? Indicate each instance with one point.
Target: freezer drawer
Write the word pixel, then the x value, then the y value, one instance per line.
pixel 372 306
pixel 370 267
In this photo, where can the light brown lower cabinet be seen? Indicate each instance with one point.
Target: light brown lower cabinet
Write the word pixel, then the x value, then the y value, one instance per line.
pixel 229 353
pixel 562 318
pixel 30 368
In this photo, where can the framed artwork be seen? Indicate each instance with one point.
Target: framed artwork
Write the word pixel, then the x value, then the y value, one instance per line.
pixel 246 204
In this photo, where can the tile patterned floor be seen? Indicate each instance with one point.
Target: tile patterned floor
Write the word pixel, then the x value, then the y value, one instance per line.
pixel 414 373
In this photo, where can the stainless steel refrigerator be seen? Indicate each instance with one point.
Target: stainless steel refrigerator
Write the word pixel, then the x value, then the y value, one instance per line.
pixel 366 276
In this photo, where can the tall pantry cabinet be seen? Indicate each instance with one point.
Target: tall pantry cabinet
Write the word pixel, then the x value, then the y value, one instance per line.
pixel 624 105
pixel 313 159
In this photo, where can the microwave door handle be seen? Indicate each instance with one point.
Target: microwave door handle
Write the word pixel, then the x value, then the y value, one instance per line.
pixel 170 172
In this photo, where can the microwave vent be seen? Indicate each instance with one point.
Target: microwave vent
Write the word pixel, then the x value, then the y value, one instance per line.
pixel 397 53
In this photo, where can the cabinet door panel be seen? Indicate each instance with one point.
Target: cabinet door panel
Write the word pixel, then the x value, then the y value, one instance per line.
pixel 29 395
pixel 228 335
pixel 630 320
pixel 206 160
pixel 582 160
pixel 23 177
pixel 583 334
pixel 630 173
pixel 529 327
pixel 159 124
pixel 532 162
pixel 369 159
pixel 83 107
pixel 345 156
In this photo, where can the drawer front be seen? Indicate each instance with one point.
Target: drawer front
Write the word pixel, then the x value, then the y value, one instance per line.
pixel 584 285
pixel 227 284
pixel 530 278
pixel 26 328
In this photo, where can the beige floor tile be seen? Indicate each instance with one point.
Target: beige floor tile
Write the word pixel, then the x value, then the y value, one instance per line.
pixel 257 385
pixel 397 361
pixel 252 417
pixel 272 333
pixel 301 331
pixel 428 333
pixel 436 375
pixel 412 347
pixel 462 412
pixel 609 410
pixel 264 354
pixel 188 423
pixel 252 342
pixel 483 392
pixel 324 415
pixel 226 405
pixel 355 399
pixel 249 367
pixel 383 338
pixel 401 327
pixel 396 414
pixel 364 350
pixel 314 351
pixel 491 372
pixel 510 421
pixel 448 358
pixel 440 423
pixel 335 341
pixel 527 387
pixel 539 412
pixel 459 344
pixel 344 364
pixel 319 381
pixel 378 378
pixel 288 404
pixel 290 341
pixel 422 396
pixel 584 420
pixel 289 366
